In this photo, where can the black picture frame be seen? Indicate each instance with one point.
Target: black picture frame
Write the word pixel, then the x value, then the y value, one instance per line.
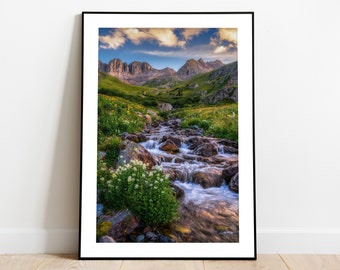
pixel 245 245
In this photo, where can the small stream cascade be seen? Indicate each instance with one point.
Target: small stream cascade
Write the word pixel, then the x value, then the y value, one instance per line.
pixel 209 210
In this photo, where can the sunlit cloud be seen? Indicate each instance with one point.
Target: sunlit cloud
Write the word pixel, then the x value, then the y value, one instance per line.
pixel 136 36
pixel 112 41
pixel 221 49
pixel 166 37
pixel 189 33
pixel 163 36
pixel 228 34
pixel 225 41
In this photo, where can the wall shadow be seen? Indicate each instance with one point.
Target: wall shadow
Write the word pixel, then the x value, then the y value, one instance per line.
pixel 62 209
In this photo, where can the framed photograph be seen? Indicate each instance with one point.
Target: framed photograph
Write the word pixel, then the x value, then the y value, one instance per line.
pixel 168 168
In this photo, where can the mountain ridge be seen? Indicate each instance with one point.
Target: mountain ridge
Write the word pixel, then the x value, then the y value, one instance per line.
pixel 139 73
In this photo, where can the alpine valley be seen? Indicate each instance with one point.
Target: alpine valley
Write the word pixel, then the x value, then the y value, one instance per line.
pixel 167 152
pixel 196 82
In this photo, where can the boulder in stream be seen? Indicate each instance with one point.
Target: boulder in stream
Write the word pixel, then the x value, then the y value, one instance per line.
pixel 233 185
pixel 169 146
pixel 208 178
pixel 229 172
pixel 130 150
pixel 206 149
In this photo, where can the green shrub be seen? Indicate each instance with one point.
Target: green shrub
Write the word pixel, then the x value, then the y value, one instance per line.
pixel 147 194
pixel 164 114
pixel 111 146
pixel 103 228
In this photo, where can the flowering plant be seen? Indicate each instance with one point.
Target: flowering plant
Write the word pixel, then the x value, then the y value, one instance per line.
pixel 147 194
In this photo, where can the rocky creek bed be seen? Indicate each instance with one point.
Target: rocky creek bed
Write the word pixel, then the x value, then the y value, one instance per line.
pixel 204 175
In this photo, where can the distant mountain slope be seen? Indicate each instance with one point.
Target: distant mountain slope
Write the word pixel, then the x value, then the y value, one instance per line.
pixel 139 73
pixel 194 67
pixel 217 86
pixel 134 73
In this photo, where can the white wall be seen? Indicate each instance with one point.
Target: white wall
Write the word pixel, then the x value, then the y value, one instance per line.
pixel 297 127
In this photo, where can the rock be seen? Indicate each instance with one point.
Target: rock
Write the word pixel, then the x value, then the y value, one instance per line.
pixel 148 119
pixel 230 150
pixel 100 208
pixel 206 149
pixel 179 192
pixel 150 236
pixel 132 151
pixel 176 140
pixel 102 155
pixel 106 239
pixel 178 160
pixel 191 132
pixel 147 229
pixel 221 228
pixel 169 146
pixel 151 113
pixel 170 172
pixel 140 238
pixel 182 229
pixel 142 137
pixel 123 224
pixel 130 137
pixel 195 141
pixel 226 142
pixel 208 178
pixel 164 239
pixel 193 86
pixel 229 172
pixel 229 93
pixel 233 185
pixel 165 107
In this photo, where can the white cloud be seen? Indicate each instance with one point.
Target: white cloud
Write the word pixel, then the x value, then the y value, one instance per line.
pixel 220 49
pixel 163 36
pixel 135 35
pixel 166 37
pixel 112 41
pixel 228 34
pixel 189 33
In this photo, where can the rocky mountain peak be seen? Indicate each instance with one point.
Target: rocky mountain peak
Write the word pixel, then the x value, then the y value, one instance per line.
pixel 139 72
pixel 193 67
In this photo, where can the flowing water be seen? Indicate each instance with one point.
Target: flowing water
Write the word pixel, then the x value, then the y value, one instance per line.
pixel 207 214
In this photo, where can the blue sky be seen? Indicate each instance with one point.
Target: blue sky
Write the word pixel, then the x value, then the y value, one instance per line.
pixel 167 47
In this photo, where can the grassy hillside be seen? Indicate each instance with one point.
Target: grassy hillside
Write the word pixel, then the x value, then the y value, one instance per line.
pixel 121 103
pixel 111 86
pixel 181 94
pixel 115 116
pixel 219 121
